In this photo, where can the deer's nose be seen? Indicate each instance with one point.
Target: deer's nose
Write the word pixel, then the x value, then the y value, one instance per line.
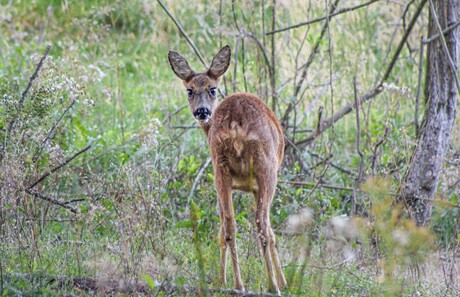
pixel 202 114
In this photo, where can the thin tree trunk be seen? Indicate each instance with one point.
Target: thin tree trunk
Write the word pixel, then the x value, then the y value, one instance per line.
pixel 420 182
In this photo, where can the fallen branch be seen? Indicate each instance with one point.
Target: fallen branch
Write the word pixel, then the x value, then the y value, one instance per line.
pixel 91 284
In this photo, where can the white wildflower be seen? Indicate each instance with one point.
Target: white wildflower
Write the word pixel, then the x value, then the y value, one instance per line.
pixel 297 222
pixel 401 236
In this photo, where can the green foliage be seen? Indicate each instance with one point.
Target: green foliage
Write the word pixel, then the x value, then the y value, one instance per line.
pixel 107 82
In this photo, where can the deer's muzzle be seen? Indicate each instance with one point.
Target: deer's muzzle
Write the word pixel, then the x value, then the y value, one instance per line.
pixel 202 114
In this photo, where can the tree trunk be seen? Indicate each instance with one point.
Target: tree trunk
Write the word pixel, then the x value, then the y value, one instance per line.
pixel 420 182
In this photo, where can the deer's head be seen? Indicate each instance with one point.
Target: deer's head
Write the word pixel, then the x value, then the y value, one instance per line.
pixel 201 87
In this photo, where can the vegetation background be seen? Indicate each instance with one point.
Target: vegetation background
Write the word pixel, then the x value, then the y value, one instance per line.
pixel 105 181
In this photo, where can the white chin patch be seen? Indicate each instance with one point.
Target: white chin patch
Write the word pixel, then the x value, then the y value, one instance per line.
pixel 203 121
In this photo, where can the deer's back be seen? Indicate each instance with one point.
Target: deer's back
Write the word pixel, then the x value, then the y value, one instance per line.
pixel 244 128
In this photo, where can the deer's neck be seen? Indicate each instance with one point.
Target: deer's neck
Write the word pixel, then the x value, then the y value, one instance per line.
pixel 206 126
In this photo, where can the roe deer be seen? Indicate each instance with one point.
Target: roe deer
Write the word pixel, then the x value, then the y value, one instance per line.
pixel 247 146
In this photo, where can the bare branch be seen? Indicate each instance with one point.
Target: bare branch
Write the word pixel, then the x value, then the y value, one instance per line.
pixel 419 86
pixel 340 11
pixel 320 185
pixel 313 52
pixel 33 77
pixel 67 161
pixel 24 95
pixel 48 136
pixel 197 179
pixel 358 147
pixel 182 31
pixel 52 200
pixel 444 32
pixel 305 67
pixel 376 147
pixel 327 123
pixel 273 72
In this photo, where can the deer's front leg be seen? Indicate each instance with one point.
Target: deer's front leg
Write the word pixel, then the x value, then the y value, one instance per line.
pixel 228 225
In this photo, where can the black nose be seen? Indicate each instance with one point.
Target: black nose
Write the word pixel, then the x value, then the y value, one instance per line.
pixel 202 114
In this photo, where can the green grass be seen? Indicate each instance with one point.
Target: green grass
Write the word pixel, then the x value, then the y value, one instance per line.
pixel 133 185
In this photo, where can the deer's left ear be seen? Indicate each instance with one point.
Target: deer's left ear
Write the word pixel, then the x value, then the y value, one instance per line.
pixel 220 62
pixel 180 66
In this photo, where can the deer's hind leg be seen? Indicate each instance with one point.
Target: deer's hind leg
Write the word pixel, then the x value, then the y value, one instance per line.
pixel 276 261
pixel 264 196
pixel 228 225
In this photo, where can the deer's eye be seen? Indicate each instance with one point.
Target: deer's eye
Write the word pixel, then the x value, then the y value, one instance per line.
pixel 189 92
pixel 212 92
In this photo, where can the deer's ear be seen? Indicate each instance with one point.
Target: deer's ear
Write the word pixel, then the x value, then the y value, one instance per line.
pixel 180 66
pixel 220 62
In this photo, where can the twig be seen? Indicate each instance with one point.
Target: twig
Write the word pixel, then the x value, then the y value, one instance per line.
pixel 273 72
pixel 168 118
pixel 338 167
pixel 182 31
pixel 261 47
pixel 33 77
pixel 197 179
pixel 358 128
pixel 327 123
pixel 321 161
pixel 331 87
pixel 298 183
pixel 185 127
pixel 314 187
pixel 419 86
pixel 305 67
pixel 67 161
pixel 298 154
pixel 24 95
pixel 235 64
pixel 402 42
pixel 48 136
pixel 358 148
pixel 444 32
pixel 40 195
pixel 340 11
pixel 376 147
pixel 313 52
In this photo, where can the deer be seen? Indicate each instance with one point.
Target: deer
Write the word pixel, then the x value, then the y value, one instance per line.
pixel 246 142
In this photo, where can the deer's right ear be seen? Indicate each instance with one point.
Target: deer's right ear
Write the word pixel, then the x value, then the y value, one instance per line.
pixel 220 62
pixel 180 66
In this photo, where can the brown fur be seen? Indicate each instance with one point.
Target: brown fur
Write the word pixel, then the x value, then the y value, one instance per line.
pixel 247 145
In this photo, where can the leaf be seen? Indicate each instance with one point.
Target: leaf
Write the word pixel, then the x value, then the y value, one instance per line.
pixel 185 224
pixel 149 281
pixel 181 165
